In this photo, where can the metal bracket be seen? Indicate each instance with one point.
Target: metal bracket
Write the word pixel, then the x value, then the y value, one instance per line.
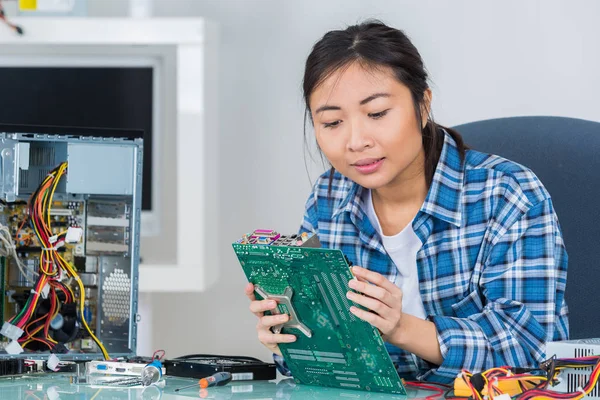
pixel 285 299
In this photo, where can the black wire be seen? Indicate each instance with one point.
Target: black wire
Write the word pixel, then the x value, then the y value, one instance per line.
pixel 235 358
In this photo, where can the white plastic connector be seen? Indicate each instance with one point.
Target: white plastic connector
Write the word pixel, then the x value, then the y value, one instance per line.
pixel 45 291
pixel 503 396
pixel 53 362
pixel 74 235
pixel 11 331
pixel 13 348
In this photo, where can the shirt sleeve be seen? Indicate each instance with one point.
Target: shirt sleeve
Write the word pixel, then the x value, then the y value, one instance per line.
pixel 517 306
pixel 310 219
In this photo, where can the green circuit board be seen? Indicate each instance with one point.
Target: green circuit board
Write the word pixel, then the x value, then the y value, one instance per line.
pixel 333 347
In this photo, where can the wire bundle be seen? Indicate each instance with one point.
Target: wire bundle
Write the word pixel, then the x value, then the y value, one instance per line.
pixel 556 366
pixel 9 249
pixel 53 268
pixel 530 384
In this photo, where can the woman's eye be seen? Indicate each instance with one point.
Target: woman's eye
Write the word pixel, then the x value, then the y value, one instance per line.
pixel 331 124
pixel 378 114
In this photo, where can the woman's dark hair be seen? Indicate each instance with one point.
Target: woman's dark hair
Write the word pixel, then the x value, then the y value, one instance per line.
pixel 374 45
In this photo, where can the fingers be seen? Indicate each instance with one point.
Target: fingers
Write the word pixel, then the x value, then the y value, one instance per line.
pixel 370 317
pixel 268 321
pixel 374 278
pixel 381 289
pixel 385 326
pixel 371 303
pixel 249 290
pixel 260 306
pixel 376 292
pixel 381 297
pixel 269 338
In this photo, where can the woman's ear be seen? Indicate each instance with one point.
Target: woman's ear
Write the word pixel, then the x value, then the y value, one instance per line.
pixel 425 107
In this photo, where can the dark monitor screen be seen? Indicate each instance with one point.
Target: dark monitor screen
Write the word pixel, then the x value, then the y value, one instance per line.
pixel 95 97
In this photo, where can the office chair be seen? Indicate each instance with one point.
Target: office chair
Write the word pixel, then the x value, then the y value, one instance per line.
pixel 565 154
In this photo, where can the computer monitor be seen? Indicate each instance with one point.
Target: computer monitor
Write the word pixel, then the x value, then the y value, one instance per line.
pixel 100 91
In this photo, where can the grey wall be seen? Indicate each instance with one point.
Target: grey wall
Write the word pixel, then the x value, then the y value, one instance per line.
pixel 486 58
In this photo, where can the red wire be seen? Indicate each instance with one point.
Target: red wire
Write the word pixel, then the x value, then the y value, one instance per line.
pixel 63 289
pixel 31 305
pixel 30 337
pixel 438 391
pixel 52 309
pixel 158 351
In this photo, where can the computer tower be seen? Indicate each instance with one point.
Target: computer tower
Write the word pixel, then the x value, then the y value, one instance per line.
pixel 70 205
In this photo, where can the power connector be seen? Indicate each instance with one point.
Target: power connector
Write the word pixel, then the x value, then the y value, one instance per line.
pixel 11 331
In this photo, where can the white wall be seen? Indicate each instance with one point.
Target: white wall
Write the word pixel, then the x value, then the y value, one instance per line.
pixel 486 58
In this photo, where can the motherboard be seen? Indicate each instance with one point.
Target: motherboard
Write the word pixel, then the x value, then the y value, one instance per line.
pixel 333 347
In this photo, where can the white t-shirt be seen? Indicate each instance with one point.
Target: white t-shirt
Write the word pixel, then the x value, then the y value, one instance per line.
pixel 402 248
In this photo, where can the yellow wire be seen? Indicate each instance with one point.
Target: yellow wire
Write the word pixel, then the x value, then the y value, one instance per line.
pixel 44 276
pixel 47 201
pixel 59 174
pixel 72 271
pixel 42 284
pixel 44 194
pixel 71 292
pixel 36 330
pixel 81 305
pixel 43 253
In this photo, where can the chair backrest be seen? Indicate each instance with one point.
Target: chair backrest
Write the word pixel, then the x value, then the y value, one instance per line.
pixel 565 154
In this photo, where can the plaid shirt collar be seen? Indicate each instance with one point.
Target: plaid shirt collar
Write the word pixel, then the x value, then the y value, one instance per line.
pixel 443 200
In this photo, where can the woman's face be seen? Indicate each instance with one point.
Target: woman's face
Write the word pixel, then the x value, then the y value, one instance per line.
pixel 366 126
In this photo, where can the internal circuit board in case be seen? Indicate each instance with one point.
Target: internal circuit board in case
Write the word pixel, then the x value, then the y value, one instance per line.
pixel 333 347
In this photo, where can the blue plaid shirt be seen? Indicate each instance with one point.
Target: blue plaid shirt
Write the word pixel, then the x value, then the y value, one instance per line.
pixel 492 268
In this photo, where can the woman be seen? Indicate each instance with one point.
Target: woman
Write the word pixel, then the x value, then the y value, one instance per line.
pixel 463 262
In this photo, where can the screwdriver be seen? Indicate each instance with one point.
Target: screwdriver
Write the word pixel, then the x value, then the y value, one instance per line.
pixel 152 373
pixel 218 379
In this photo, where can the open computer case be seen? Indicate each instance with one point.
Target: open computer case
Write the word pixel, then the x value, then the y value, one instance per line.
pixel 70 204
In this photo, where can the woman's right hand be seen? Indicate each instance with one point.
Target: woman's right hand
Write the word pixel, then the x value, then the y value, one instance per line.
pixel 265 322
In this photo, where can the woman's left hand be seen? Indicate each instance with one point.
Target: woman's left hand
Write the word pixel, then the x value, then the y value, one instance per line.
pixel 381 296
